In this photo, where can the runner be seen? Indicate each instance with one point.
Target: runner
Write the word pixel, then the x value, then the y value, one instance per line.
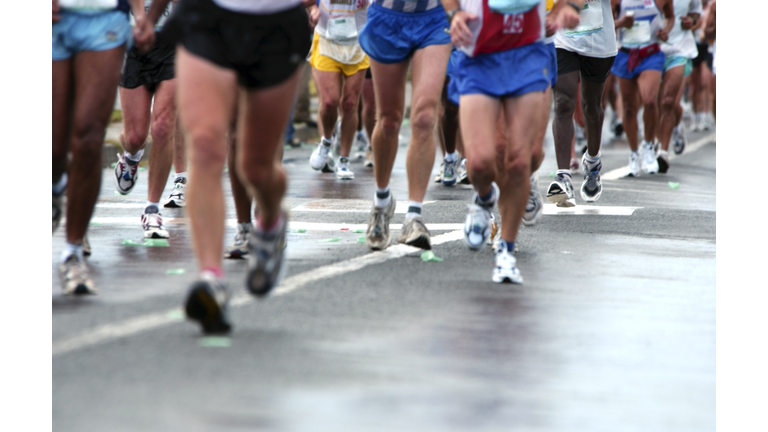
pixel 701 75
pixel 247 52
pixel 638 65
pixel 368 115
pixel 339 65
pixel 502 174
pixel 88 44
pixel 584 53
pixel 398 35
pixel 679 51
pixel 710 32
pixel 147 78
pixel 451 170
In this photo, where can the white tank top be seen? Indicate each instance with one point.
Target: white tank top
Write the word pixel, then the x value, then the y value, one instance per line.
pixel 163 17
pixel 648 21
pixel 342 20
pixel 681 42
pixel 257 7
pixel 595 35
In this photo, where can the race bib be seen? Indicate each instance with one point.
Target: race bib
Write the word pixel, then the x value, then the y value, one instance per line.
pixel 512 6
pixel 590 19
pixel 341 28
pixel 639 34
pixel 346 54
pixel 88 4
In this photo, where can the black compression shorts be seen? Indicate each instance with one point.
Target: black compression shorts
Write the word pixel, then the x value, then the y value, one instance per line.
pixel 592 69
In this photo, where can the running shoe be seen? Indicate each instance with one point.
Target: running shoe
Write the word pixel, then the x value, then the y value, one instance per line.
pixel 362 140
pixel 369 157
pixel 663 161
pixel 649 164
pixel 534 209
pixel 574 165
pixel 618 129
pixel 560 191
pixel 126 174
pixel 266 258
pixel 505 266
pixel 177 198
pixel 239 249
pixel 477 227
pixel 449 172
pixel 439 176
pixel 75 279
pixel 86 245
pixel 152 222
pixel 415 233
pixel 342 170
pixel 680 139
pixel 634 164
pixel 208 303
pixel 321 157
pixel 462 176
pixel 592 187
pixel 495 231
pixel 378 235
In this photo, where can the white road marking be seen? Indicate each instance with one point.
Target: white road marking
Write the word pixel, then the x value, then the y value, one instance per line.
pixel 690 148
pixel 347 206
pixel 120 329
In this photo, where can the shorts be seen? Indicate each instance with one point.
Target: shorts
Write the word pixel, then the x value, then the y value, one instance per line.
pixel 453 87
pixel 675 61
pixel 328 64
pixel 391 37
pixel 553 65
pixel 704 55
pixel 77 32
pixel 264 50
pixel 490 74
pixel 368 74
pixel 151 68
pixel 652 62
pixel 592 69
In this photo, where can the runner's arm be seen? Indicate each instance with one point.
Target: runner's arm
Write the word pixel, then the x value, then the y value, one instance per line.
pixel 709 30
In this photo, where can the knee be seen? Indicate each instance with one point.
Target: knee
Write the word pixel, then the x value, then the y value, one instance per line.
pixel 423 119
pixel 389 122
pixel 517 165
pixel 480 165
pixel 208 150
pixel 564 106
pixel 255 174
pixel 349 105
pixel 592 110
pixel 87 139
pixel 668 103
pixel 162 130
pixel 330 105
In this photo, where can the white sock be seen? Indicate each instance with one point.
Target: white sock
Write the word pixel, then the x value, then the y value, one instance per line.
pixel 135 158
pixel 181 175
pixel 414 210
pixel 150 203
pixel 382 197
pixel 72 249
pixel 451 157
pixel 326 142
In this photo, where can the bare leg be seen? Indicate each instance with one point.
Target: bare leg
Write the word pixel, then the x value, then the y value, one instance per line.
pixel 565 93
pixel 668 98
pixel 350 97
pixel 163 132
pixel 389 88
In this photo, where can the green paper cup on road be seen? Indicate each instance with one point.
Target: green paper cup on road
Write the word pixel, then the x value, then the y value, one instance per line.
pixel 430 256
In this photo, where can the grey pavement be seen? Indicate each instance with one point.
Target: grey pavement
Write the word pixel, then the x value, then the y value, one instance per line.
pixel 613 329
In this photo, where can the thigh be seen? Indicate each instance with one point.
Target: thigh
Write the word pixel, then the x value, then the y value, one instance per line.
pixel 389 87
pixel 353 85
pixel 629 90
pixel 671 83
pixel 61 97
pixel 164 108
pixel 328 85
pixel 648 85
pixel 427 75
pixel 96 75
pixel 478 117
pixel 524 117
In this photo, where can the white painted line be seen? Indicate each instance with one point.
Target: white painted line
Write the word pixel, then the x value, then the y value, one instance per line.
pixel 347 206
pixel 120 329
pixel 690 148
pixel 581 210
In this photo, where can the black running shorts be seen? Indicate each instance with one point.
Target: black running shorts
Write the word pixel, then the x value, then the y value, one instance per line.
pixel 151 68
pixel 264 50
pixel 703 56
pixel 592 69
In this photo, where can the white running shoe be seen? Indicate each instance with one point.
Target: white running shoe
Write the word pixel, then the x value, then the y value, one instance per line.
pixel 152 222
pixel 369 157
pixel 439 176
pixel 126 173
pixel 680 139
pixel 649 164
pixel 239 249
pixel 177 198
pixel 462 176
pixel 477 227
pixel 449 172
pixel 505 266
pixel 580 146
pixel 321 157
pixel 634 164
pixel 560 191
pixel 362 140
pixel 75 279
pixel 534 209
pixel 342 170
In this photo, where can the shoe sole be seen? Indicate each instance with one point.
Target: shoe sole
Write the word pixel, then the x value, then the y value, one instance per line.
pixel 155 235
pixel 422 242
pixel 173 204
pixel 560 199
pixel 663 165
pixel 259 273
pixel 236 254
pixel 448 182
pixel 81 289
pixel 516 280
pixel 202 307
pixel 352 177
pixel 535 219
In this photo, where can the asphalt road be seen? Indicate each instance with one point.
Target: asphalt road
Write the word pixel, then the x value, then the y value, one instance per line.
pixel 613 330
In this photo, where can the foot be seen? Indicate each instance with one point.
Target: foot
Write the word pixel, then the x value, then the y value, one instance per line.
pixel 378 236
pixel 369 157
pixel 649 164
pixel 415 233
pixel 321 157
pixel 505 266
pixel 439 176
pixel 342 170
pixel 266 258
pixel 560 191
pixel 152 222
pixel 449 172
pixel 239 249
pixel 574 165
pixel 86 245
pixel 462 176
pixel 75 279
pixel 663 161
pixel 362 140
pixel 177 198
pixel 592 187
pixel 634 164
pixel 126 173
pixel 534 209
pixel 680 139
pixel 207 303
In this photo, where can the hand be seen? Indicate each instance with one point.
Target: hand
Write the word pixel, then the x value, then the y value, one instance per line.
pixel 460 33
pixel 314 16
pixel 144 33
pixel 663 35
pixel 686 22
pixel 56 9
pixel 626 22
pixel 565 17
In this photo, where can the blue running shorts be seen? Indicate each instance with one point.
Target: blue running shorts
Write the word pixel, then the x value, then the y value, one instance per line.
pixel 652 62
pixel 553 62
pixel 510 73
pixel 78 32
pixel 391 37
pixel 453 87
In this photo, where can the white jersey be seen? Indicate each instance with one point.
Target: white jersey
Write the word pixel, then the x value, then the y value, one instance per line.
pixel 648 22
pixel 163 17
pixel 682 42
pixel 342 20
pixel 259 7
pixel 595 35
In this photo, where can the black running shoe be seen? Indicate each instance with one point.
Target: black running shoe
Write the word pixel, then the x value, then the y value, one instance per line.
pixel 266 258
pixel 207 303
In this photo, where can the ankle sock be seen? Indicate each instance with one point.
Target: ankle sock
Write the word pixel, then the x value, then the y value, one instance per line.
pixel 133 159
pixel 72 249
pixel 382 197
pixel 326 142
pixel 182 175
pixel 451 157
pixel 151 204
pixel 414 210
